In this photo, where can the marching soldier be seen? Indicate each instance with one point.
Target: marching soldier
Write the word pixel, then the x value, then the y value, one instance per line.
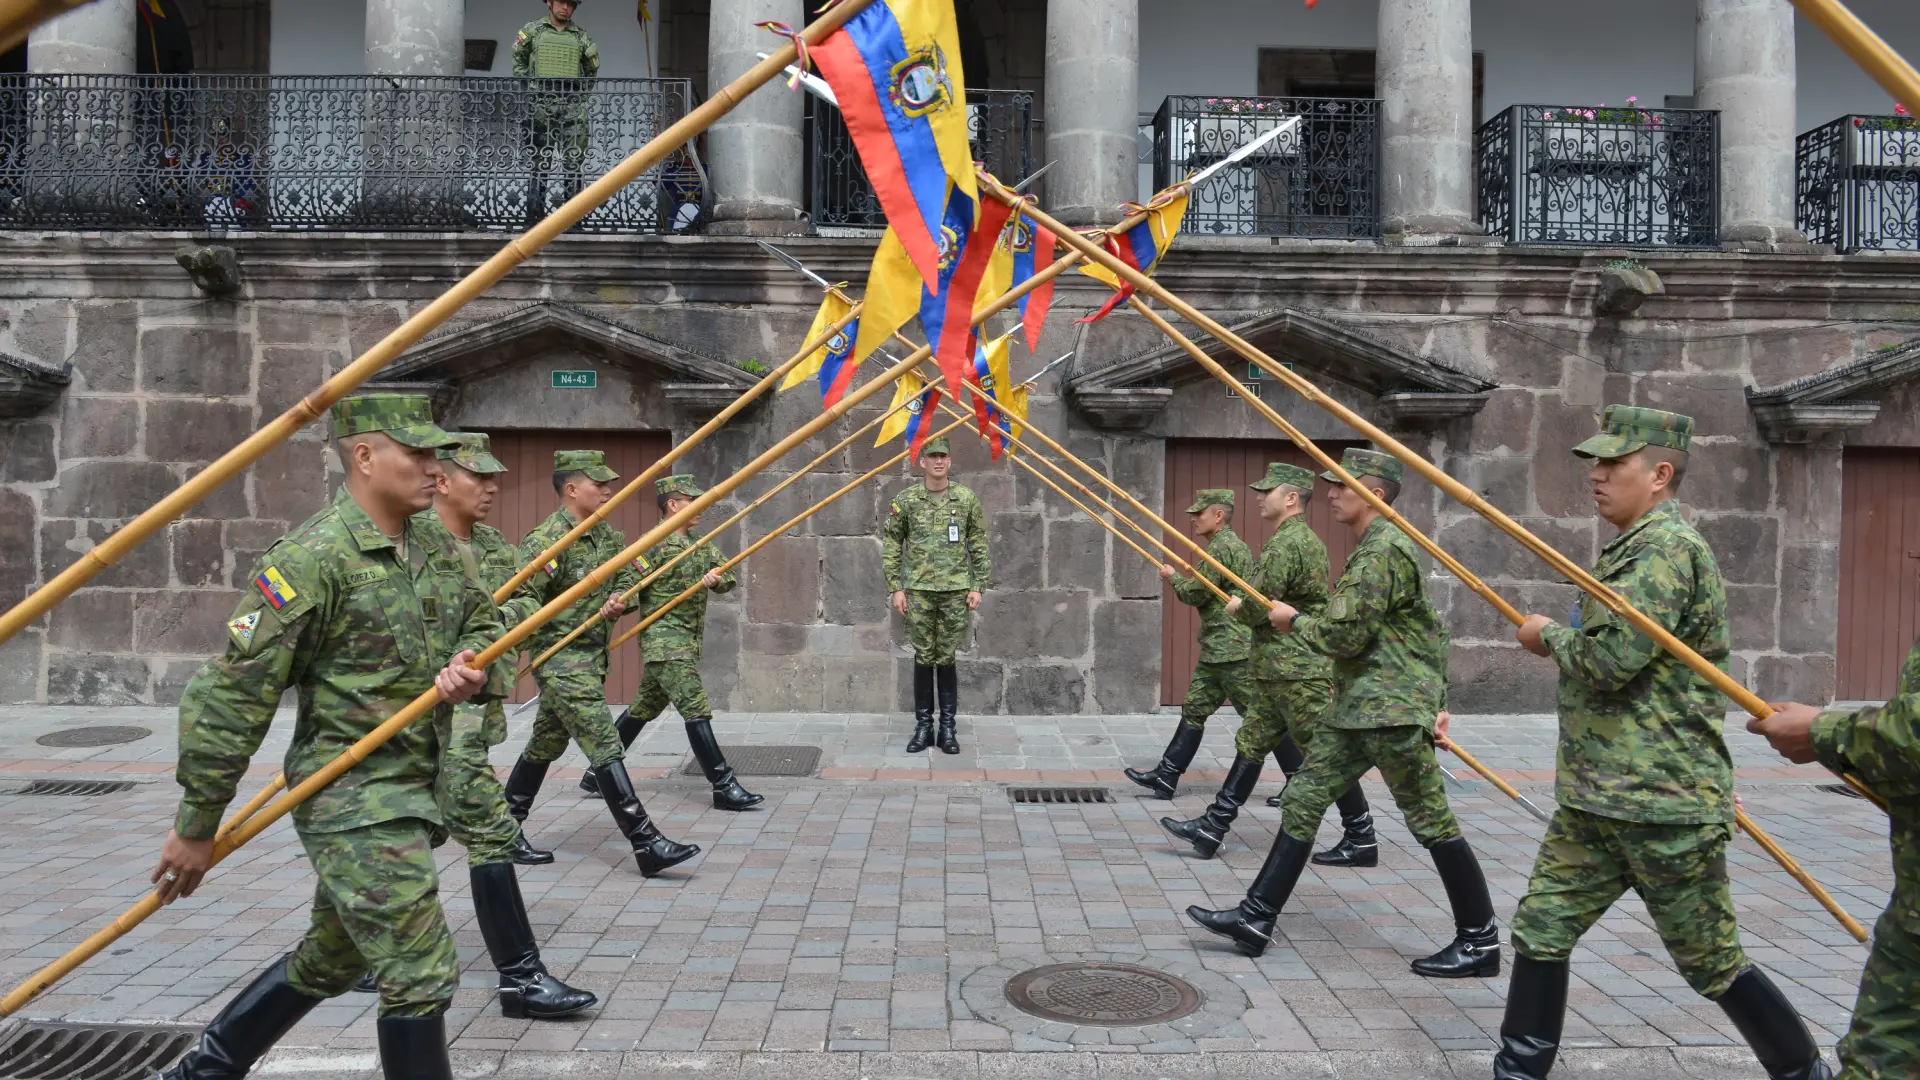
pixel 1880 746
pixel 556 48
pixel 1646 784
pixel 1389 651
pixel 361 610
pixel 934 552
pixel 671 648
pixel 1222 674
pixel 1292 685
pixel 573 685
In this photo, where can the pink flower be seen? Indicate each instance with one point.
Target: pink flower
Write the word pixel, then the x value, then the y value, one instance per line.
pixel 1548 115
pixel 1589 114
pixel 1900 110
pixel 1631 100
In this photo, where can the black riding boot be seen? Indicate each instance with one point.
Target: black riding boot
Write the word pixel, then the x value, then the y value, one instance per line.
pixel 1164 779
pixel 1536 1008
pixel 1475 951
pixel 523 783
pixel 947 681
pixel 1207 831
pixel 629 728
pixel 414 1047
pixel 1771 1026
pixel 1250 925
pixel 247 1028
pixel 651 851
pixel 526 989
pixel 1360 846
pixel 727 792
pixel 922 709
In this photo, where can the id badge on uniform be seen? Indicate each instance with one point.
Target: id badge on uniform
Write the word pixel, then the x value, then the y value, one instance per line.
pixel 953 531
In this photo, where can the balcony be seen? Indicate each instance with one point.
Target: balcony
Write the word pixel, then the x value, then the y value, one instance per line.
pixel 1000 125
pixel 1857 184
pixel 337 153
pixel 1599 176
pixel 1320 180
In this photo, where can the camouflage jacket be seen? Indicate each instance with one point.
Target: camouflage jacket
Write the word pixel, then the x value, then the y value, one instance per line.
pixel 562 572
pixel 498 560
pixel 1222 637
pixel 543 50
pixel 333 613
pixel 936 542
pixel 681 633
pixel 1640 733
pixel 1881 747
pixel 1293 569
pixel 1388 644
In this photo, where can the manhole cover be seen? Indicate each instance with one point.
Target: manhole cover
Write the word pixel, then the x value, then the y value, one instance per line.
pixel 89 1051
pixel 72 787
pixel 1106 995
pixel 767 761
pixel 94 736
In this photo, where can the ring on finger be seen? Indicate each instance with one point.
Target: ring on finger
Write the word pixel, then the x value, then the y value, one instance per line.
pixel 169 876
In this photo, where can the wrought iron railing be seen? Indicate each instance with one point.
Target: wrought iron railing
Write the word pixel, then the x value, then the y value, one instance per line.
pixel 336 153
pixel 1626 176
pixel 1321 179
pixel 1858 184
pixel 1000 125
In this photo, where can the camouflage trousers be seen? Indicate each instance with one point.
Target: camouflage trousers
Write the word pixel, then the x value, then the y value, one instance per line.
pixel 1282 707
pixel 936 625
pixel 573 704
pixel 471 799
pixel 1339 757
pixel 1215 685
pixel 1883 1042
pixel 377 907
pixel 1587 861
pixel 671 681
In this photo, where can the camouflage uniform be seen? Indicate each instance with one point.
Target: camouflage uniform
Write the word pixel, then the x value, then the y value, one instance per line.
pixel 672 646
pixel 1222 674
pixel 567 55
pixel 934 548
pixel 1292 683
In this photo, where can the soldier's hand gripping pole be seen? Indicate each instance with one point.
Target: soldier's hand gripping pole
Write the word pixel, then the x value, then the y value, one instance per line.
pixel 19 17
pixel 1473 582
pixel 315 405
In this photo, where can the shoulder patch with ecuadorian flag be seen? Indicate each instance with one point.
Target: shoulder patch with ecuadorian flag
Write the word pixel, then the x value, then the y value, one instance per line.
pixel 274 587
pixel 243 627
pixel 552 567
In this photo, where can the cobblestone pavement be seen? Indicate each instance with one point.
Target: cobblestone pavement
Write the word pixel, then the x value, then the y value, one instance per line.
pixel 872 912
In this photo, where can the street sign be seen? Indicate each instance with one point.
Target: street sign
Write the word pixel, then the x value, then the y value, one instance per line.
pixel 576 380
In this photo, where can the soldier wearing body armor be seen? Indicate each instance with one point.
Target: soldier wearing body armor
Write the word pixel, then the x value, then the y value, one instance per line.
pixel 555 48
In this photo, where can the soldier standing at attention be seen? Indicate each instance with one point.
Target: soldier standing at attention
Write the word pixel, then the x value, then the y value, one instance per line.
pixel 360 611
pixel 573 685
pixel 1292 685
pixel 1646 784
pixel 933 549
pixel 1880 746
pixel 1389 651
pixel 1222 674
pixel 556 48
pixel 671 648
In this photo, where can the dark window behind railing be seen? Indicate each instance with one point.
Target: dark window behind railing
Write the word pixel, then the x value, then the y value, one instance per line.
pixel 1000 125
pixel 1322 179
pixel 1552 174
pixel 1858 184
pixel 341 153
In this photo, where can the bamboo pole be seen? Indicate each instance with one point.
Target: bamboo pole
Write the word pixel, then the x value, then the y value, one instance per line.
pixel 373 740
pixel 274 787
pixel 1874 55
pixel 19 17
pixel 315 405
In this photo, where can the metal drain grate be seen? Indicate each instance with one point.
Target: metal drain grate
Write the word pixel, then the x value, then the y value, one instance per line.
pixel 1059 795
pixel 94 736
pixel 766 761
pixel 71 787
pixel 33 1051
pixel 1106 995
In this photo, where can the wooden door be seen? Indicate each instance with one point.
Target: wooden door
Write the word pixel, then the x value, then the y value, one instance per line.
pixel 526 498
pixel 1879 570
pixel 1193 464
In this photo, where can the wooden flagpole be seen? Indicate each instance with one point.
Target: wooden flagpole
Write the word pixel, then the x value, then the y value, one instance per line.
pixel 1874 55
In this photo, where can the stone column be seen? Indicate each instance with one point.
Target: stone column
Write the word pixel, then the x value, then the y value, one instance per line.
pixel 758 153
pixel 416 37
pixel 1424 76
pixel 1743 66
pixel 408 124
pixel 1092 108
pixel 97 39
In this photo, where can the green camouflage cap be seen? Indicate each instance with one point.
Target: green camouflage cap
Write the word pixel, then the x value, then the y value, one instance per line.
pixel 1206 497
pixel 405 418
pixel 473 452
pixel 678 484
pixel 591 462
pixel 1368 463
pixel 936 445
pixel 1625 429
pixel 1279 472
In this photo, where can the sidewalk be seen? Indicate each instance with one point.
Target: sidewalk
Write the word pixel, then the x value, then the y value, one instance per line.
pixel 876 910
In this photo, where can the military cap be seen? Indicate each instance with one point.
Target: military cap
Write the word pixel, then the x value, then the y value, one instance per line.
pixel 937 445
pixel 405 418
pixel 1368 463
pixel 591 462
pixel 473 452
pixel 1625 429
pixel 1206 497
pixel 1279 472
pixel 678 484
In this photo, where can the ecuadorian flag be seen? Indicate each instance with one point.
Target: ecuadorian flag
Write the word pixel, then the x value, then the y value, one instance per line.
pixel 1141 246
pixel 274 587
pixel 830 363
pixel 992 365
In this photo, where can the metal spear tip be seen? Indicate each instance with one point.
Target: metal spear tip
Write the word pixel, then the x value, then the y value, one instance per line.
pixel 796 264
pixel 1032 176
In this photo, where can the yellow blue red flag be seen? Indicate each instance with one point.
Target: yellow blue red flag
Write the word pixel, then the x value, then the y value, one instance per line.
pixel 832 310
pixel 992 365
pixel 1142 246
pixel 906 388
